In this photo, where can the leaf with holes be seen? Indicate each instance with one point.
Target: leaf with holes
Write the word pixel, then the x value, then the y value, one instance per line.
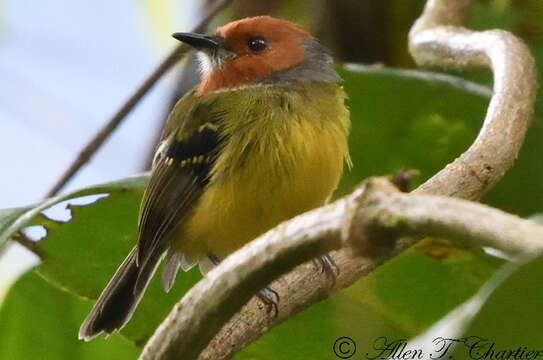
pixel 13 220
pixel 82 255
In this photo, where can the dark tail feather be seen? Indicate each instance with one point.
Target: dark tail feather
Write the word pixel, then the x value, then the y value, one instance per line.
pixel 119 299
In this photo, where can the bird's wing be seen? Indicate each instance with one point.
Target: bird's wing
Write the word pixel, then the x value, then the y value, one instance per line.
pixel 180 173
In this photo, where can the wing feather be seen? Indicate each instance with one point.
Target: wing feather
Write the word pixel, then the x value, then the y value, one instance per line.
pixel 179 176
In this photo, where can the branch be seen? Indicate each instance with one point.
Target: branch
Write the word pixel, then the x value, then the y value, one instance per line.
pixel 361 223
pixel 98 139
pixel 434 42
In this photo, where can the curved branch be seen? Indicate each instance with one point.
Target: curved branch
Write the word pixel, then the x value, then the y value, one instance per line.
pixel 433 42
pixel 356 223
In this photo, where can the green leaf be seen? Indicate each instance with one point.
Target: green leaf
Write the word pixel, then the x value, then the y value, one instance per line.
pixel 512 316
pixel 422 120
pixel 38 321
pixel 13 220
pixel 408 119
pixel 82 255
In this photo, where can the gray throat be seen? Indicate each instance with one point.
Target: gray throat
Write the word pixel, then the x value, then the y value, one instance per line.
pixel 316 66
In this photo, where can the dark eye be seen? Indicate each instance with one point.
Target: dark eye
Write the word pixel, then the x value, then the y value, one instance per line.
pixel 257 44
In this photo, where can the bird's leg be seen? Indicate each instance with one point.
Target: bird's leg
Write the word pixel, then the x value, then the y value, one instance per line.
pixel 269 297
pixel 329 267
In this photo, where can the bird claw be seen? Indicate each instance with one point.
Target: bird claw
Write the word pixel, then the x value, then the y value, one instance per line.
pixel 270 298
pixel 328 267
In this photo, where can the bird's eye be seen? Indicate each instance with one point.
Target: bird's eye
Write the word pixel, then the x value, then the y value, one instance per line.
pixel 257 44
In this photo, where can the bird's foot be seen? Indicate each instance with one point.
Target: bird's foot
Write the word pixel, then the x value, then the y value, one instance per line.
pixel 329 267
pixel 270 298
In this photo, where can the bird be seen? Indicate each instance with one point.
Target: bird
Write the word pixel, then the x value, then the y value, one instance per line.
pixel 261 139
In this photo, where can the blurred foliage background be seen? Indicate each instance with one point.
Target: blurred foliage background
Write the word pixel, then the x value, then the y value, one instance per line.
pixel 401 119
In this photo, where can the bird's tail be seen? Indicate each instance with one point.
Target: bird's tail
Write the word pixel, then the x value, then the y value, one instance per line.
pixel 119 299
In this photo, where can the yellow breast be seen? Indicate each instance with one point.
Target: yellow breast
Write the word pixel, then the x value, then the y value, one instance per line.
pixel 275 165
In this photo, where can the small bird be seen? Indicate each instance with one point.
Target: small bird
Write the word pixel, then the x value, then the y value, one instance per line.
pixel 261 139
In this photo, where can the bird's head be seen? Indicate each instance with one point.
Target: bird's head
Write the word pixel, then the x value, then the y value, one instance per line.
pixel 258 50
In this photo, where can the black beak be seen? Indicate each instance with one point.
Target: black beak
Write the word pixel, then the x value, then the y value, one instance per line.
pixel 199 41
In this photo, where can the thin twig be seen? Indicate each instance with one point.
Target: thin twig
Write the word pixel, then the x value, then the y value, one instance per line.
pixel 97 141
pixel 505 125
pixel 358 221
